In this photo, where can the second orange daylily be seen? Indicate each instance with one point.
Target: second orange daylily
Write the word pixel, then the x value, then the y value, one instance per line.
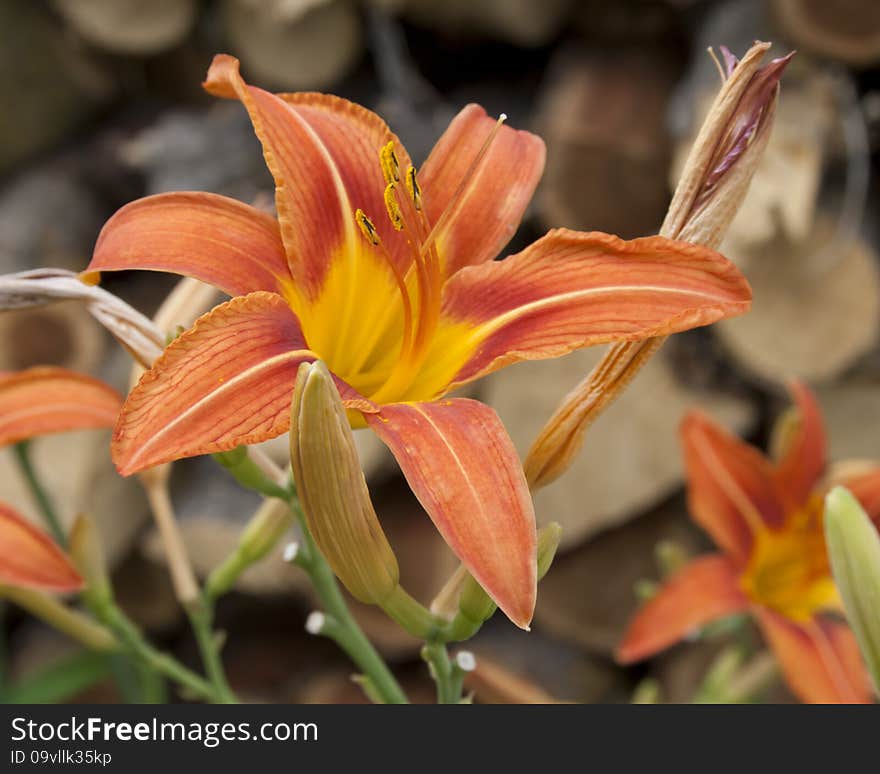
pixel 767 518
pixel 48 399
pixel 388 277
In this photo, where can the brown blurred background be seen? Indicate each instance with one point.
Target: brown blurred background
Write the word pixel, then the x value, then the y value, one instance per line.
pixel 100 103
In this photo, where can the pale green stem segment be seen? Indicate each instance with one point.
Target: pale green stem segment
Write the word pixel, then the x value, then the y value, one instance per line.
pixel 339 624
pixel 53 612
pixel 201 617
pixel 447 674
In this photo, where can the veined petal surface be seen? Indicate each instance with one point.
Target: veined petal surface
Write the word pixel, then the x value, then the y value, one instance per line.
pixel 218 240
pixel 225 382
pixel 462 466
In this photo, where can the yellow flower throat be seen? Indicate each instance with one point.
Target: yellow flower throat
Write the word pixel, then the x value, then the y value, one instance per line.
pixel 377 324
pixel 788 570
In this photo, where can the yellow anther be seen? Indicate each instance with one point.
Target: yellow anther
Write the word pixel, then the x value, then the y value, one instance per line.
pixel 412 185
pixel 367 227
pixel 393 207
pixel 390 165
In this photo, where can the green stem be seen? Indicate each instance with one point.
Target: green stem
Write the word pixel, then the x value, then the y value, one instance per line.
pixel 161 662
pixel 339 624
pixel 446 674
pixel 201 616
pixel 22 455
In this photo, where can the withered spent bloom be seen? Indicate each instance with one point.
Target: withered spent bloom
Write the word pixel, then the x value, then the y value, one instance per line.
pixel 715 179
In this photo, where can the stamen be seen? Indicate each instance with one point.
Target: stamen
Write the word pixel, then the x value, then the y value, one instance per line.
pixel 452 206
pixel 367 227
pixel 390 165
pixel 393 208
pixel 414 189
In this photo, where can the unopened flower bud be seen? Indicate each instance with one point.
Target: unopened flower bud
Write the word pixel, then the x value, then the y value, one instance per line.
pixel 854 552
pixel 333 490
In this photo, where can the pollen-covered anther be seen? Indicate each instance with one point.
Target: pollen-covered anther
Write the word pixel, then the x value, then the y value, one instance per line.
pixel 367 227
pixel 390 164
pixel 392 206
pixel 414 189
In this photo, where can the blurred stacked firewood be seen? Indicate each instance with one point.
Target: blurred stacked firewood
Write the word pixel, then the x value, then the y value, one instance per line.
pixel 101 104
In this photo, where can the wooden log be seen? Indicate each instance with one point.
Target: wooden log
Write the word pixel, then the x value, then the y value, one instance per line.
pixel 816 308
pixel 632 458
pixel 48 217
pixel 845 30
pixel 307 44
pixel 130 26
pixel 849 409
pixel 603 118
pixel 522 22
pixel 48 86
pixel 63 334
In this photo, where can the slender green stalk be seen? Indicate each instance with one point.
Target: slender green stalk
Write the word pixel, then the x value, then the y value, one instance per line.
pixel 445 673
pixel 73 623
pixel 338 623
pixel 22 455
pixel 160 662
pixel 201 616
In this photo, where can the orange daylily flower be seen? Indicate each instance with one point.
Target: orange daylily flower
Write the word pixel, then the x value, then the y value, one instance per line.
pixel 47 399
pixel 767 518
pixel 30 559
pixel 388 277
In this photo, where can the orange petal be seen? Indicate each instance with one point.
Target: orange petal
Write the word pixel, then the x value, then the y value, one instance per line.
pixel 803 463
pixel 820 660
pixel 29 558
pixel 490 207
pixel 866 489
pixel 353 136
pixel 321 152
pixel 227 381
pixel 731 489
pixel 703 591
pixel 53 400
pixel 461 464
pixel 213 238
pixel 572 289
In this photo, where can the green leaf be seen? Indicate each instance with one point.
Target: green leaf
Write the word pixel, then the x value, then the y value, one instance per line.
pixel 61 680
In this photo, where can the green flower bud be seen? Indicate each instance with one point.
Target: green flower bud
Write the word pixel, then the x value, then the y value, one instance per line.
pixel 854 552
pixel 333 491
